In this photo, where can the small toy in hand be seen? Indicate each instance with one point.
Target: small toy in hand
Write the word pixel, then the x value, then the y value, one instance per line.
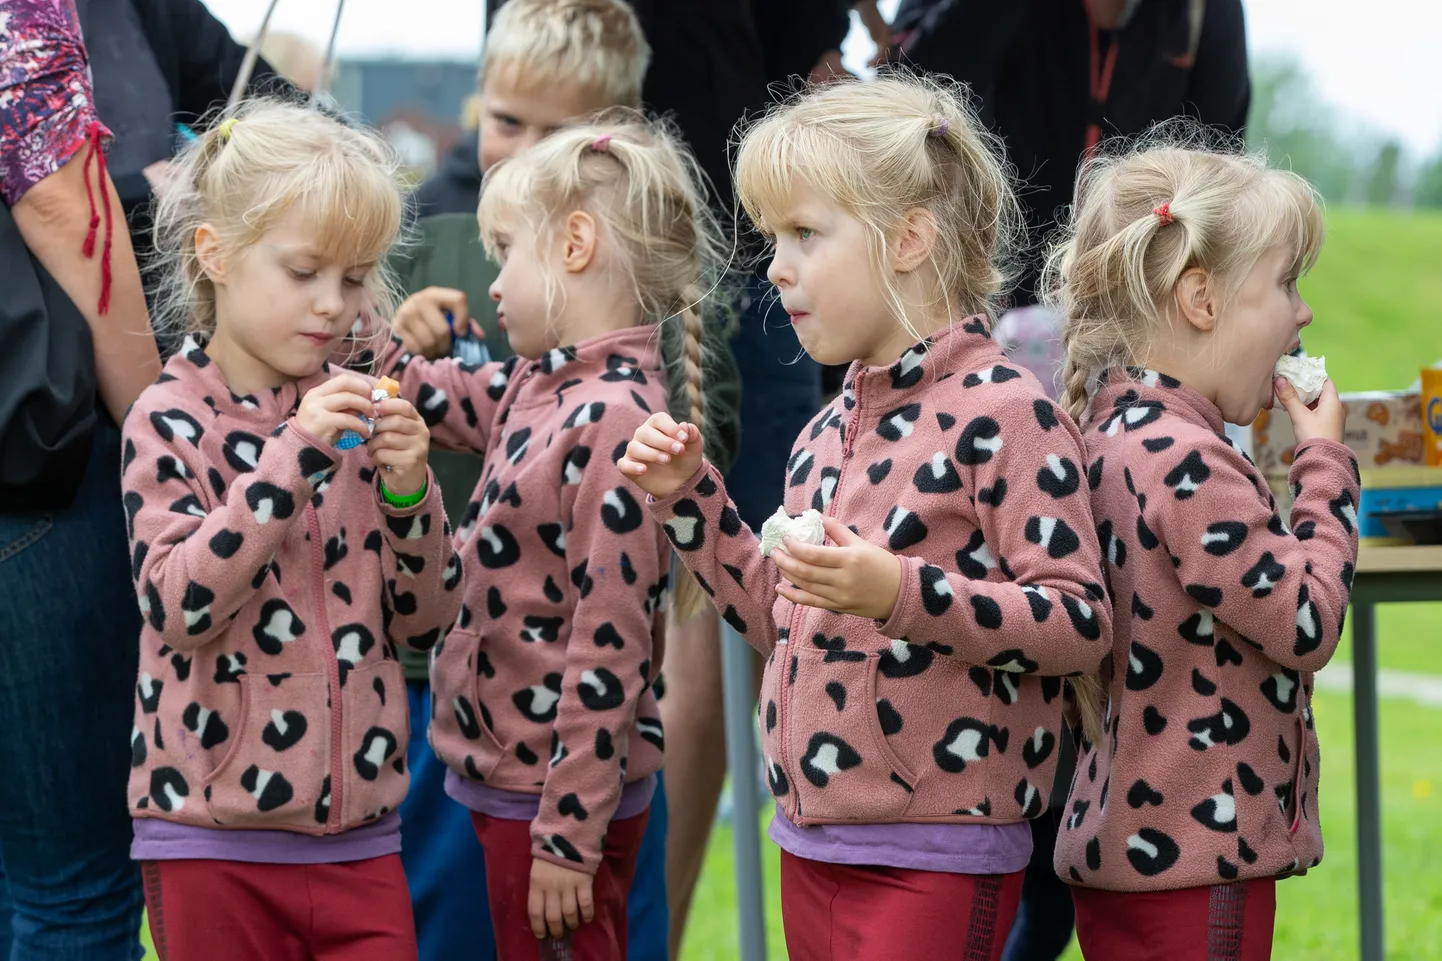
pixel 805 529
pixel 1306 374
pixel 466 346
pixel 384 388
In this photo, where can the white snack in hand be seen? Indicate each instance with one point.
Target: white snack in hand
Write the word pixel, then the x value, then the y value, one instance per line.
pixel 806 529
pixel 1306 374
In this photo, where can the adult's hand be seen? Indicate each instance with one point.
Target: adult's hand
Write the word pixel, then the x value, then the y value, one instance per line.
pixel 53 217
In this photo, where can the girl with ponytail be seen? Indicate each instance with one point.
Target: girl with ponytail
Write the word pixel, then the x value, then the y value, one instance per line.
pixel 1177 276
pixel 543 702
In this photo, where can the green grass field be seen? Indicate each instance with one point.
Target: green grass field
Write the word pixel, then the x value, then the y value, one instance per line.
pixel 1375 293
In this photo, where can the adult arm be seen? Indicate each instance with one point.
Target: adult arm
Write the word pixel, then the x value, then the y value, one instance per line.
pixel 53 218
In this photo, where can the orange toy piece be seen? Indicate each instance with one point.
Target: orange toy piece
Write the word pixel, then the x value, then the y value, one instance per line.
pixel 391 387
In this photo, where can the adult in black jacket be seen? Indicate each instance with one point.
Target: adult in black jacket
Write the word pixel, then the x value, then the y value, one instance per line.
pixel 158 65
pixel 1054 76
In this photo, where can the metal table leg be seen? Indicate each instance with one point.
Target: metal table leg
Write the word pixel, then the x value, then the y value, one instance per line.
pixel 744 764
pixel 1369 803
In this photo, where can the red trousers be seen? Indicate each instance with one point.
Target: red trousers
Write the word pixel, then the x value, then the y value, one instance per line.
pixel 840 912
pixel 507 844
pixel 1226 922
pixel 237 911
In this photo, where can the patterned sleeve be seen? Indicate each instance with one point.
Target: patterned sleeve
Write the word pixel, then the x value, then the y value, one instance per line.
pixel 1285 590
pixel 457 401
pixel 47 111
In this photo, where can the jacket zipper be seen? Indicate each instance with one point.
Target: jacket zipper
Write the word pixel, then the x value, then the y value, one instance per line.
pixel 332 665
pixel 1301 760
pixel 783 701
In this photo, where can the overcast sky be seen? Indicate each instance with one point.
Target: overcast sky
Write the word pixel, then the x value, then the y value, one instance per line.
pixel 1379 61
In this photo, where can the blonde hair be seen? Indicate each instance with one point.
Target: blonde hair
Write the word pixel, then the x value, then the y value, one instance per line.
pixel 595 43
pixel 294 57
pixel 878 150
pixel 243 175
pixel 1111 274
pixel 648 196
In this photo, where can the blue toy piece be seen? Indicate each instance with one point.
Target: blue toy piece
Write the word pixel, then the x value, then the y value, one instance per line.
pixel 467 347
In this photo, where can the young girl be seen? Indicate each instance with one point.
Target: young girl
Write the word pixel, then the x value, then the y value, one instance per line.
pixel 1179 279
pixel 277 572
pixel 543 704
pixel 908 728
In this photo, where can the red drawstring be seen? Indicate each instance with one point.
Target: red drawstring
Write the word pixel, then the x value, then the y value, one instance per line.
pixel 97 153
pixel 1101 77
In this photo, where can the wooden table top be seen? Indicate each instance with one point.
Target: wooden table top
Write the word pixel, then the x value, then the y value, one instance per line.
pixel 1405 558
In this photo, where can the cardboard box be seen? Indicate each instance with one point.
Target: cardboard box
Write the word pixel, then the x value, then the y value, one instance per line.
pixel 1383 427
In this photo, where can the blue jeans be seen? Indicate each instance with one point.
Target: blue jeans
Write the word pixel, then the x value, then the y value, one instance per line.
pixel 446 868
pixel 780 393
pixel 69 648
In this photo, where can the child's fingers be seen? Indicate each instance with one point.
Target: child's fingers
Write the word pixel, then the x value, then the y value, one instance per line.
pixel 344 383
pixel 569 909
pixel 805 598
pixel 339 423
pixel 662 421
pixel 629 467
pixel 644 453
pixel 587 905
pixel 818 555
pixel 345 401
pixel 657 440
pixel 536 910
pixel 399 424
pixel 555 923
pixel 399 406
pixel 800 572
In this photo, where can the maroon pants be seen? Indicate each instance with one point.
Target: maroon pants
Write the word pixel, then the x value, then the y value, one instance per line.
pixel 838 912
pixel 1226 922
pixel 507 844
pixel 236 911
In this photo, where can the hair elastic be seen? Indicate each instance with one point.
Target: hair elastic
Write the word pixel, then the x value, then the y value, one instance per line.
pixel 1164 214
pixel 226 126
pixel 939 125
pixel 601 143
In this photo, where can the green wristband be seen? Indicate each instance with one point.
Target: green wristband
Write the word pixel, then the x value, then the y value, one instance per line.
pixel 403 501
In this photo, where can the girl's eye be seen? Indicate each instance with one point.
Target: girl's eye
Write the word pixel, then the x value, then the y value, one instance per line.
pixel 302 274
pixel 508 122
pixel 355 281
pixel 805 233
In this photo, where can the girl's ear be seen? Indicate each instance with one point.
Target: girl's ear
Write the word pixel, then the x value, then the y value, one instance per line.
pixel 578 241
pixel 1195 299
pixel 207 252
pixel 913 240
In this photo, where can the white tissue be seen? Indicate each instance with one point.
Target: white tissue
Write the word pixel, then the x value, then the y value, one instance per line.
pixel 806 529
pixel 1307 375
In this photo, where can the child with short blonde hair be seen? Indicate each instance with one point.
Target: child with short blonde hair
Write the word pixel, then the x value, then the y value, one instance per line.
pixel 278 566
pixel 1178 278
pixel 544 710
pixel 911 708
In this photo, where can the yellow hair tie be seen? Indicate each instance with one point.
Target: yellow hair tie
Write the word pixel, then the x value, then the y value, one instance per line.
pixel 226 126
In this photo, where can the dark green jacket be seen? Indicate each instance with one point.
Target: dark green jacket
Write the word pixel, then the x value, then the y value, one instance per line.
pixel 448 253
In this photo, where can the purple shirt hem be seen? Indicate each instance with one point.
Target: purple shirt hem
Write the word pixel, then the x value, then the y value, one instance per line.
pixel 519 806
pixel 159 840
pixel 948 848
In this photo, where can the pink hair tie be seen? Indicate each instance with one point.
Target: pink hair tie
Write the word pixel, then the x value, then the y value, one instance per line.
pixel 600 144
pixel 1164 214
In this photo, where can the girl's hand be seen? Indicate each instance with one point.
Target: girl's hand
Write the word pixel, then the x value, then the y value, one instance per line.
pixel 662 455
pixel 420 321
pixel 560 898
pixel 399 446
pixel 330 409
pixel 854 577
pixel 1324 419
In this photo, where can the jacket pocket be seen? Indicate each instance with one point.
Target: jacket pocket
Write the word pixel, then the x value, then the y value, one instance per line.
pixel 276 771
pixel 836 754
pixel 373 745
pixel 460 731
